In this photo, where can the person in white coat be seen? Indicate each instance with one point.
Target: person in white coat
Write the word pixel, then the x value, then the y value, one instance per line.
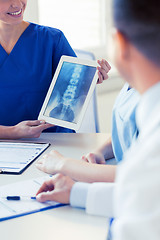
pixel 136 193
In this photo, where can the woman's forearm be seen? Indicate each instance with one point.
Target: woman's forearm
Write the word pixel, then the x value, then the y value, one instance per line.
pixel 87 172
pixel 6 132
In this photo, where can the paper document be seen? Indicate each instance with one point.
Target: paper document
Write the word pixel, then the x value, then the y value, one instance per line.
pixel 15 157
pixel 11 209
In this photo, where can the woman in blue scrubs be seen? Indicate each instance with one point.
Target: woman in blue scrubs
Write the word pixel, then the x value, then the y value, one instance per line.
pixel 29 55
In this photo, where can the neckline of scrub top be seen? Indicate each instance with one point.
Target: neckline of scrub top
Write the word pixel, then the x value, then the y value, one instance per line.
pixel 16 44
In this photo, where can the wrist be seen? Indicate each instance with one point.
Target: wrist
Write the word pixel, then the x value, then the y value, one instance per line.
pixel 14 134
pixel 62 165
pixel 7 132
pixel 67 166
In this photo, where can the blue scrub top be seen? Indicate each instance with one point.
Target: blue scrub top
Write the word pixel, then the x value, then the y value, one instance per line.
pixel 124 129
pixel 26 73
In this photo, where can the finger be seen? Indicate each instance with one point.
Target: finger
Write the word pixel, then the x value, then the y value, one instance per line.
pixel 45 196
pixel 46 186
pixel 40 166
pixel 108 65
pixel 55 195
pixel 91 158
pixel 105 65
pixel 35 122
pixel 103 68
pixel 99 62
pixel 47 125
pixel 40 128
pixel 104 73
pixel 100 78
pixel 84 159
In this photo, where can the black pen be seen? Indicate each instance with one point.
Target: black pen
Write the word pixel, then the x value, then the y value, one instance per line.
pixel 17 198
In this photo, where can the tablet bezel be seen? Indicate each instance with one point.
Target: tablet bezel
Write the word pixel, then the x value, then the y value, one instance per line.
pixel 59 122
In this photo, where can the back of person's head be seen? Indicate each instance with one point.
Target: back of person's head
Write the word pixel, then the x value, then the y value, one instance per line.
pixel 139 22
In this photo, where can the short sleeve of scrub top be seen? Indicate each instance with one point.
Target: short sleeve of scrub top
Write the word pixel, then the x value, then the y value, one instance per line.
pixel 26 73
pixel 124 129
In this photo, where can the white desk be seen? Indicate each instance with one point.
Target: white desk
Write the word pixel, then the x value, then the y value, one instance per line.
pixel 64 223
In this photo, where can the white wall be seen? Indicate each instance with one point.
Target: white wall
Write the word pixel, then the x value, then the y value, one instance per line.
pixel 31 13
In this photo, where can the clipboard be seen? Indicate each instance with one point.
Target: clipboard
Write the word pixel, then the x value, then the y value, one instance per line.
pixel 14 209
pixel 17 157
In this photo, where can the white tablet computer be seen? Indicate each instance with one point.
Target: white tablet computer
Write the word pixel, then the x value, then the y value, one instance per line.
pixel 70 92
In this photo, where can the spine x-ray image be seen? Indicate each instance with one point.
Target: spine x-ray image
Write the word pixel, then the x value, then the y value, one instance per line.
pixel 70 91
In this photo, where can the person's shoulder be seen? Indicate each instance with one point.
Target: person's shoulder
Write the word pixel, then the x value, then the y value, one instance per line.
pixel 46 31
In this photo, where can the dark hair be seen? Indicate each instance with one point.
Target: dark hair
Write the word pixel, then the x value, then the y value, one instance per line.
pixel 139 22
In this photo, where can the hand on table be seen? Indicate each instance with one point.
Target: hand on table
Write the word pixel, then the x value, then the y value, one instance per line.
pixel 94 158
pixel 57 189
pixel 51 163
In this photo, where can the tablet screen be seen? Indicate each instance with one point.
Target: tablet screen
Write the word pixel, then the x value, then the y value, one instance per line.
pixel 70 91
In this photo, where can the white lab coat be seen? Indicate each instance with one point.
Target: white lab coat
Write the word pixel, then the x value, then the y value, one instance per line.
pixel 136 194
